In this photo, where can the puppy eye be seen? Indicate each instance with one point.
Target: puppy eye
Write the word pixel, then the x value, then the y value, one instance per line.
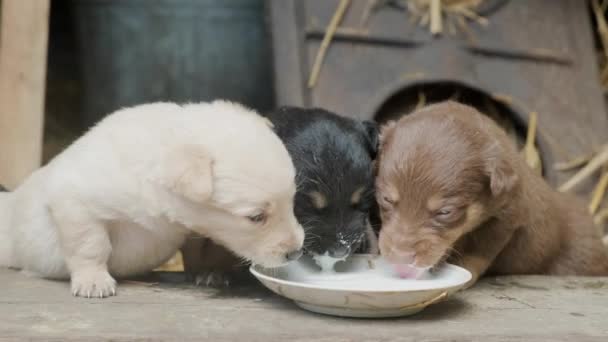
pixel 444 212
pixel 257 218
pixel 447 214
pixel 388 201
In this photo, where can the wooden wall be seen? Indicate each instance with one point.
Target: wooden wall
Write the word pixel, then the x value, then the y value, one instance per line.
pixel 23 50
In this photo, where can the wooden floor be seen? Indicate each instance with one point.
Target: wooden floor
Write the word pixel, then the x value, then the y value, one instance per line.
pixel 498 309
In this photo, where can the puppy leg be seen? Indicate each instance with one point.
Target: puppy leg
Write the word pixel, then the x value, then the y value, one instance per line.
pixel 208 263
pixel 483 246
pixel 192 253
pixel 86 246
pixel 187 171
pixel 372 240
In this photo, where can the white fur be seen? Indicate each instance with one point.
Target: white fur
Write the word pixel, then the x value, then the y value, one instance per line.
pixel 123 197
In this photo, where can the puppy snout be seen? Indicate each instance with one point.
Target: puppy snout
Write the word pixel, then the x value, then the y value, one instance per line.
pixel 339 251
pixel 293 255
pixel 403 257
pixel 298 237
pixel 396 254
pixel 294 241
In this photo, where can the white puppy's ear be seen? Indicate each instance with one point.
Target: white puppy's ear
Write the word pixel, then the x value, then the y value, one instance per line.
pixel 188 171
pixel 268 122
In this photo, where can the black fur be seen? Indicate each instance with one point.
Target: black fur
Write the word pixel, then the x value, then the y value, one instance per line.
pixel 332 155
pixel 2 188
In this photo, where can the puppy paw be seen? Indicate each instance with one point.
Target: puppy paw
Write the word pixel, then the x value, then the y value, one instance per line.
pixel 212 279
pixel 97 284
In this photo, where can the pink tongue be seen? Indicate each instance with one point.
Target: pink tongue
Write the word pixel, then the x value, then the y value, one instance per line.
pixel 407 271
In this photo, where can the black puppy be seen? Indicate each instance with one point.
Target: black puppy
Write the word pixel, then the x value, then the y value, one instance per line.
pixel 333 158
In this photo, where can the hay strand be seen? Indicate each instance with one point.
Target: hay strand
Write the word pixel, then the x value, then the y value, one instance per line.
pixel 421 100
pixel 602 26
pixel 436 20
pixel 469 35
pixel 433 13
pixel 175 264
pixel 537 54
pixel 601 217
pixel 140 283
pixel 530 152
pixel 598 193
pixel 367 12
pixel 573 163
pixel 602 30
pixel 331 28
pixel 594 164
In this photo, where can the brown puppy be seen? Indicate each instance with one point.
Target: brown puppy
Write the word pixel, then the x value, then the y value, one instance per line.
pixel 451 185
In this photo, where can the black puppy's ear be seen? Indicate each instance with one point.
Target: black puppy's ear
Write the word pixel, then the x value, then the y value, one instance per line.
pixel 370 129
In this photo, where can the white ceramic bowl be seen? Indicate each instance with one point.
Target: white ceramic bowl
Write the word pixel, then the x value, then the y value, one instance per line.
pixel 361 286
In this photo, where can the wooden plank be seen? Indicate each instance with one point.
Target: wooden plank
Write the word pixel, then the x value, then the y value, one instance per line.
pixel 527 308
pixel 23 50
pixel 289 69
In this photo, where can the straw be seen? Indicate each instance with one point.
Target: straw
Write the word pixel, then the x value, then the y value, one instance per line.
pixel 432 13
pixel 594 164
pixel 331 29
pixel 573 163
pixel 598 193
pixel 530 151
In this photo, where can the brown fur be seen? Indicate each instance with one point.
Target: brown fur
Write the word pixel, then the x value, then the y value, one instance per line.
pixel 451 185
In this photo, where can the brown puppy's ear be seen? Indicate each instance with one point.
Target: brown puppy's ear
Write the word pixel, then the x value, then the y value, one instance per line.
pixel 500 172
pixel 385 130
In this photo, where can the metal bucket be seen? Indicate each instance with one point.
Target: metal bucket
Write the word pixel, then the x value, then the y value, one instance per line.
pixel 137 51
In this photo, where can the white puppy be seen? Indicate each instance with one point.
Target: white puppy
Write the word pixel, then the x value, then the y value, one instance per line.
pixel 121 200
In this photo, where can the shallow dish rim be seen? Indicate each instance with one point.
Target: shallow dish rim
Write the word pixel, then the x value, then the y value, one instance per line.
pixel 295 284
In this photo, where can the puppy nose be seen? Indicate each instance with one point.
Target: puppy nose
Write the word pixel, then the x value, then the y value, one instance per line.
pixel 339 251
pixel 405 257
pixel 293 255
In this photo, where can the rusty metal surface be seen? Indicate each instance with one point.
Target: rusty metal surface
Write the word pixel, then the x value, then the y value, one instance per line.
pixel 539 52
